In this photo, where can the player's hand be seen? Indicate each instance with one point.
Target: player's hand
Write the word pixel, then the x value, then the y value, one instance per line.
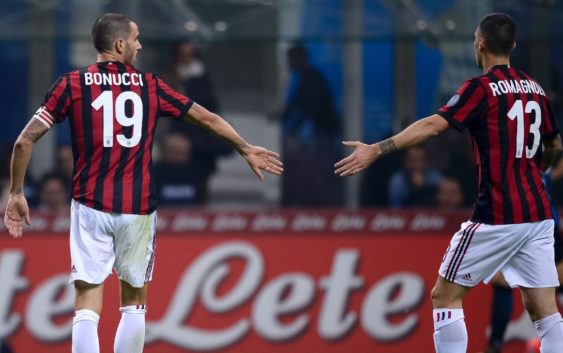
pixel 17 212
pixel 362 157
pixel 260 159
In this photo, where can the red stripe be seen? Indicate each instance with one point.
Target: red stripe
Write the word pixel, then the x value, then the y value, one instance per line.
pixel 512 126
pixel 494 156
pixel 449 314
pixel 465 250
pixel 115 149
pixel 78 132
pixel 147 144
pixel 55 95
pixel 96 131
pixel 470 104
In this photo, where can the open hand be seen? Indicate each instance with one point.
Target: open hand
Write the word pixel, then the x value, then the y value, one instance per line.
pixel 260 159
pixel 17 212
pixel 362 157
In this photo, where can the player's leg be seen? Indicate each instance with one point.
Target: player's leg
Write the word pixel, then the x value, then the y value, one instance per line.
pixel 91 250
pixel 501 312
pixel 450 333
pixel 533 270
pixel 476 252
pixel 135 251
pixel 88 307
pixel 559 262
pixel 130 335
pixel 540 304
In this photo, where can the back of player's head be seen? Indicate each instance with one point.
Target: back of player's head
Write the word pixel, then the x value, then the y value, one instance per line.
pixel 108 28
pixel 499 31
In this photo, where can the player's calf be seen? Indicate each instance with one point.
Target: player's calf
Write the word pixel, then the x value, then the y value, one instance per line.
pixel 85 332
pixel 550 331
pixel 130 335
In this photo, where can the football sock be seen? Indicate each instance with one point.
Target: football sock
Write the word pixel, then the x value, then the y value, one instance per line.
pixel 130 335
pixel 85 332
pixel 450 333
pixel 550 330
pixel 500 315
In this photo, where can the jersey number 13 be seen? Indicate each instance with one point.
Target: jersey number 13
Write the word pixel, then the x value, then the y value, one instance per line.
pixel 517 112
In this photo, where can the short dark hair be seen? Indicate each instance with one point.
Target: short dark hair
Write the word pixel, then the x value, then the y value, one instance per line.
pixel 499 31
pixel 108 28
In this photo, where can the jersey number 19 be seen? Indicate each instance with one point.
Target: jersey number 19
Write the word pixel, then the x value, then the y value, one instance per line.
pixel 105 101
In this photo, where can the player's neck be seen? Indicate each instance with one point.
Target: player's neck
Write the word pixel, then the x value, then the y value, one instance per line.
pixel 105 56
pixel 490 61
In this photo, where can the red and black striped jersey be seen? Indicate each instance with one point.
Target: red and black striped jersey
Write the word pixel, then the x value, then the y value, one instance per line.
pixel 113 109
pixel 508 114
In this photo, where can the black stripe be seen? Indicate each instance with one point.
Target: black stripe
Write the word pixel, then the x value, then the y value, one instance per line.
pixel 466 247
pixel 86 92
pixel 118 178
pixel 53 87
pixel 529 178
pixel 483 211
pixel 521 193
pixel 451 264
pixel 150 266
pixel 62 100
pixel 508 216
pixel 75 151
pixel 106 155
pixel 459 250
pixel 173 101
pixel 138 167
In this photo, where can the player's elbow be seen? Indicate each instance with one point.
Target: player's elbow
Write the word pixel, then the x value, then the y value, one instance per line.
pixel 434 126
pixel 211 121
pixel 23 143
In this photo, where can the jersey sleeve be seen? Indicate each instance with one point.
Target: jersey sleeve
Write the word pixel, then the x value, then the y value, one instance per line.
pixel 171 102
pixel 56 103
pixel 469 103
pixel 549 127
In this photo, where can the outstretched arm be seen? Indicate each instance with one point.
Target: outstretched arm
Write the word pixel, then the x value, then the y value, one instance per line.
pixel 364 155
pixel 259 159
pixel 17 210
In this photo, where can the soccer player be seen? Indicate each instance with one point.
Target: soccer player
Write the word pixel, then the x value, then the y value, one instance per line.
pixel 502 303
pixel 113 109
pixel 515 138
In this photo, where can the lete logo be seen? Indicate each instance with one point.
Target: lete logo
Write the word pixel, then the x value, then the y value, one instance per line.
pixel 210 269
pixel 291 292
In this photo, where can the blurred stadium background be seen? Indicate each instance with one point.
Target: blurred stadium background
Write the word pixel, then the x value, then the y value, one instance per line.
pixel 330 265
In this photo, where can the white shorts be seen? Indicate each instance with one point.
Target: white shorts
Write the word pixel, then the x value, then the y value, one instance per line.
pixel 100 241
pixel 523 252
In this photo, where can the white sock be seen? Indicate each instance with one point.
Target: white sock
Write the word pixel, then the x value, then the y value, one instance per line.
pixel 450 333
pixel 85 332
pixel 130 335
pixel 550 330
